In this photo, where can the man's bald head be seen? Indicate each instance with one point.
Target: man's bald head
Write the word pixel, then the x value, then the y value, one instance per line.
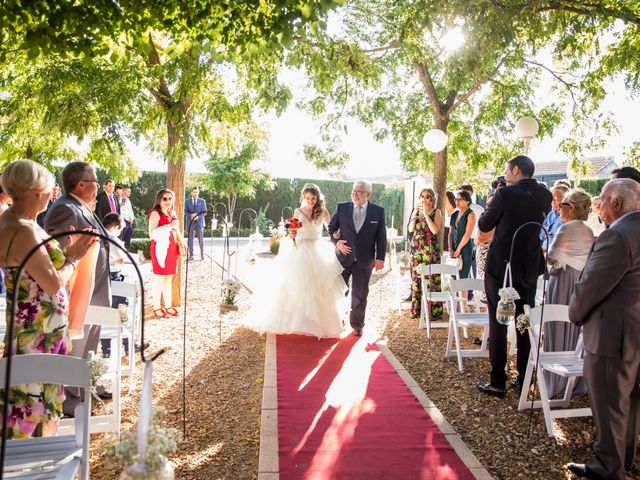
pixel 619 197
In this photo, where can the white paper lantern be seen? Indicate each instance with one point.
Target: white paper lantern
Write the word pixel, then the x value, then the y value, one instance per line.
pixel 527 127
pixel 434 140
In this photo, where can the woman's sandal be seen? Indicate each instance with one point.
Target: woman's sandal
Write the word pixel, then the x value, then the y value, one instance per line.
pixel 160 313
pixel 172 311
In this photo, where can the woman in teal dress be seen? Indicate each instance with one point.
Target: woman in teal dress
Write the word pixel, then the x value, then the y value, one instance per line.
pixel 41 320
pixel 426 222
pixel 462 223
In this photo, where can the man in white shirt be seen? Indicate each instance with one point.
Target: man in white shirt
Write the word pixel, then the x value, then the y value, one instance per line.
pixel 126 210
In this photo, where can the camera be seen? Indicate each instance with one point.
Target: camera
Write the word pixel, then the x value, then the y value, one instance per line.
pixel 499 182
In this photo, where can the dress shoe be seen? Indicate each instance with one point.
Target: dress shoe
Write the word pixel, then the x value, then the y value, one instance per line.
pixel 357 331
pixel 583 471
pixel 201 257
pixel 486 387
pixel 191 258
pixel 516 384
pixel 139 347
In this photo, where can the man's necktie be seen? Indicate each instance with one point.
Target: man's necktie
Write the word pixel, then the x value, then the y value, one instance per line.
pixel 359 218
pixel 112 204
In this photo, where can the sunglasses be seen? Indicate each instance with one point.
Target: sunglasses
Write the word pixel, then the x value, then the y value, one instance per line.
pixel 427 197
pixel 167 199
pixel 565 204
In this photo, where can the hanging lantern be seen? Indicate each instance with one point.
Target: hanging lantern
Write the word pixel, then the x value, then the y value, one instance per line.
pixel 435 140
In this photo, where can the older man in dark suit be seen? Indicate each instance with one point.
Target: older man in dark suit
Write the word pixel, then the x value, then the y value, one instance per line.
pixel 359 231
pixel 522 200
pixel 606 302
pixel 73 210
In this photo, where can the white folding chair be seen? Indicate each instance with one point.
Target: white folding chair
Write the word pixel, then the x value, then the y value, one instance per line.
pixel 63 456
pixel 109 320
pixel 458 318
pixel 446 272
pixel 131 326
pixel 568 364
pixel 540 289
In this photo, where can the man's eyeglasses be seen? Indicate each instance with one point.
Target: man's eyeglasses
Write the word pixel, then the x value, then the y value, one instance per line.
pixel 359 192
pixel 91 181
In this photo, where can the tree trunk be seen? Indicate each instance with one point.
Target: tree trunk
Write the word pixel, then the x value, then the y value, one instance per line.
pixel 175 181
pixel 440 174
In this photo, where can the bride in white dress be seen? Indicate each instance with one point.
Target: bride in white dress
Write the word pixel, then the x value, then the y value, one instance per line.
pixel 304 292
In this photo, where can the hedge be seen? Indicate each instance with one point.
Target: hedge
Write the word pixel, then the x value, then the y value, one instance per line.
pixel 270 204
pixel 144 245
pixel 593 186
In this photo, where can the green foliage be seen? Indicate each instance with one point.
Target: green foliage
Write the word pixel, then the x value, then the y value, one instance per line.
pixel 262 222
pixel 144 245
pixel 274 245
pixel 392 200
pixel 593 186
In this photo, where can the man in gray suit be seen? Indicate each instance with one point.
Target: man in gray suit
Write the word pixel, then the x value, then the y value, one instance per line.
pixel 74 209
pixel 606 302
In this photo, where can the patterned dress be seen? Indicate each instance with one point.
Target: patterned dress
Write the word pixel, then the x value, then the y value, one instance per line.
pixel 41 326
pixel 425 249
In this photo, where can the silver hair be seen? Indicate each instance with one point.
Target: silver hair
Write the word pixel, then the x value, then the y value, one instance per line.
pixel 626 190
pixel 364 184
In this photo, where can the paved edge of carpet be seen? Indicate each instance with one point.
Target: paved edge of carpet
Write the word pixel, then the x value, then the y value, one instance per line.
pixel 268 462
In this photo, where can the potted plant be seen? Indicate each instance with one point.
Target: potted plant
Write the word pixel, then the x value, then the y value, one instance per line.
pixel 231 289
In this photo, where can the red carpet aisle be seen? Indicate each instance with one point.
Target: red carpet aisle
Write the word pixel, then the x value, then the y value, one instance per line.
pixel 344 413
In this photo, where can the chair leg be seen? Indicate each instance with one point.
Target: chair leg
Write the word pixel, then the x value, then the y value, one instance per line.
pixel 526 384
pixel 449 349
pixel 485 338
pixel 568 390
pixel 422 313
pixel 458 347
pixel 544 400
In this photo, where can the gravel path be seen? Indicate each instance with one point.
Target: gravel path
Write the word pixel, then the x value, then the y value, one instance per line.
pixel 224 389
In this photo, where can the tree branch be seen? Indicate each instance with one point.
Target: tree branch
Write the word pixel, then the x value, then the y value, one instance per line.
pixel 162 94
pixel 477 86
pixel 578 7
pixel 569 86
pixel 427 82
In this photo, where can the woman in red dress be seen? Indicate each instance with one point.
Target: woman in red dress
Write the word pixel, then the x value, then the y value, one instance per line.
pixel 166 243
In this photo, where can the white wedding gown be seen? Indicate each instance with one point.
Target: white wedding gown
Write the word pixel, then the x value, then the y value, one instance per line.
pixel 304 292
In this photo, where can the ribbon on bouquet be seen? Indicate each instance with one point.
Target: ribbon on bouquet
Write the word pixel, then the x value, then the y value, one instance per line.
pixel 145 417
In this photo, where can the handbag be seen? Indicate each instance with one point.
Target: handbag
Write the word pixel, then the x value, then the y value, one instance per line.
pixel 460 263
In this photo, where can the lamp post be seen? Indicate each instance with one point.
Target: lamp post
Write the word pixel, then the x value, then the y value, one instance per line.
pixel 527 129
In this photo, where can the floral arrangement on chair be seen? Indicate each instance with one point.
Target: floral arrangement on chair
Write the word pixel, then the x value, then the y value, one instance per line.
pixel 97 368
pixel 231 289
pixel 506 305
pixel 523 323
pixel 161 441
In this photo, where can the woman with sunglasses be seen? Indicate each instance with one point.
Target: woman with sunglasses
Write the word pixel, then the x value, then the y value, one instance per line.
pixel 425 224
pixel 567 257
pixel 462 222
pixel 167 243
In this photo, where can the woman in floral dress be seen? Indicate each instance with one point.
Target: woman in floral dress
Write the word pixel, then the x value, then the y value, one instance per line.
pixel 41 321
pixel 426 222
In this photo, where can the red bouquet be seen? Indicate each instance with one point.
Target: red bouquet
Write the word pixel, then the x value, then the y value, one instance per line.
pixel 291 226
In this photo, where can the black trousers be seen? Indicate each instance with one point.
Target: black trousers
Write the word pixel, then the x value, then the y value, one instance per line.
pixel 126 234
pixel 359 292
pixel 498 332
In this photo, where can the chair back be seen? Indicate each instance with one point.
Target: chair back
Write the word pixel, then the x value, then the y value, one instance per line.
pixel 465 284
pixel 439 269
pixel 57 369
pixel 537 320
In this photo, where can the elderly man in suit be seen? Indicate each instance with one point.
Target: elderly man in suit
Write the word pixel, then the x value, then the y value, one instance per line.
pixel 606 302
pixel 73 210
pixel 106 201
pixel 522 200
pixel 195 209
pixel 359 231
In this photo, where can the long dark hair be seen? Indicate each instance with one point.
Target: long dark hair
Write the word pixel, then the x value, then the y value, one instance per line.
pixel 313 189
pixel 158 200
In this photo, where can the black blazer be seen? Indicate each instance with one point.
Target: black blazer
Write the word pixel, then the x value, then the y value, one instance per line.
pixel 103 207
pixel 369 244
pixel 511 207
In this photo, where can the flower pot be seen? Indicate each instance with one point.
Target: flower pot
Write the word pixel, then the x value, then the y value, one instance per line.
pixel 225 307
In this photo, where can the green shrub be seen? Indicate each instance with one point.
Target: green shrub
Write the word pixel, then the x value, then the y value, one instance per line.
pixel 140 233
pixel 144 245
pixel 593 186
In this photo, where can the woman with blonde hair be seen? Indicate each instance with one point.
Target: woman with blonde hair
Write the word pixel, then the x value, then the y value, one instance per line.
pixel 42 314
pixel 567 257
pixel 426 221
pixel 167 243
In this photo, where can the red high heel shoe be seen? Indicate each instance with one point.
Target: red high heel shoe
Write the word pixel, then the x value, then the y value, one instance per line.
pixel 172 311
pixel 160 313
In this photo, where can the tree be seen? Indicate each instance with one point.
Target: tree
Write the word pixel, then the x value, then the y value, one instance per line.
pixel 234 176
pixel 393 66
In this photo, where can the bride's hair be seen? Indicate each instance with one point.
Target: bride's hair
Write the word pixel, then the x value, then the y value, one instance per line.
pixel 313 189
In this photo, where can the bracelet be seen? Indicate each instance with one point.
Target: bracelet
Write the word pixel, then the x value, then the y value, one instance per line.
pixel 71 263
